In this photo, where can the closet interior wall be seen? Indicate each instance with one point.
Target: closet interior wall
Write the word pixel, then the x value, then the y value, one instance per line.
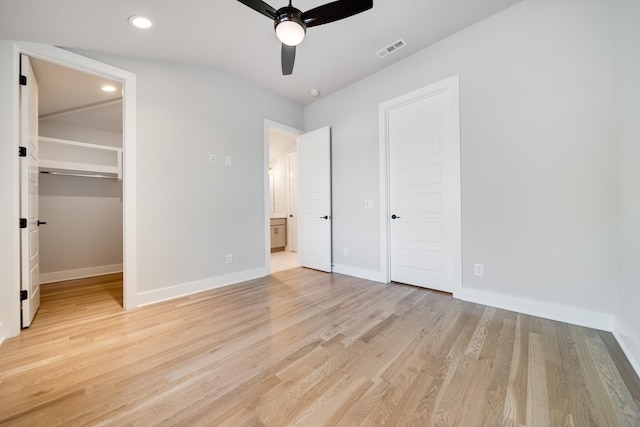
pixel 83 234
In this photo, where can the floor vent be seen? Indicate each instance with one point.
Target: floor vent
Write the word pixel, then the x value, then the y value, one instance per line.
pixel 391 48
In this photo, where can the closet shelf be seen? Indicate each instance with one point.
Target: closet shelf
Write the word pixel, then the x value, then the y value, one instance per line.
pixel 61 155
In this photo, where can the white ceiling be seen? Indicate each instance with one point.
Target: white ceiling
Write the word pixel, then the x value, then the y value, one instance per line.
pixel 228 35
pixel 62 89
pixel 72 97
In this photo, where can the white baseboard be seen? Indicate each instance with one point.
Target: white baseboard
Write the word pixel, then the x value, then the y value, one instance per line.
pixel 1 334
pixel 81 273
pixel 361 273
pixel 547 310
pixel 629 343
pixel 172 292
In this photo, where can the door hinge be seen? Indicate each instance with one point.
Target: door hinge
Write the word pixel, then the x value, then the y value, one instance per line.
pixel 23 80
pixel 24 295
pixel 22 151
pixel 23 222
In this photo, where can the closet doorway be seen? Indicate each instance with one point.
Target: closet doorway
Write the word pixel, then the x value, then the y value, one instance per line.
pixel 80 173
pixel 283 197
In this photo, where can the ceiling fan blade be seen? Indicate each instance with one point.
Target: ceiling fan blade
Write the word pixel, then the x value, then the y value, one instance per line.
pixel 335 11
pixel 288 59
pixel 260 6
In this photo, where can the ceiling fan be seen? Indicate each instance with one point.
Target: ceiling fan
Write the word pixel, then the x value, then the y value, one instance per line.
pixel 291 24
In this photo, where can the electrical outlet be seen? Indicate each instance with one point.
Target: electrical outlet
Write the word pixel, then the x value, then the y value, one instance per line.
pixel 212 158
pixel 478 269
pixel 227 160
pixel 229 258
pixel 346 251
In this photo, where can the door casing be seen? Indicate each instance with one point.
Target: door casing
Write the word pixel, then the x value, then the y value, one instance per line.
pixel 292 201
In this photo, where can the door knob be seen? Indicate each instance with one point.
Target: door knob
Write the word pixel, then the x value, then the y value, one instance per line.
pixel 41 223
pixel 394 216
pixel 324 217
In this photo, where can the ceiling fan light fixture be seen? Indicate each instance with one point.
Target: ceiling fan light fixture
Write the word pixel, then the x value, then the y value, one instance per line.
pixel 290 28
pixel 290 33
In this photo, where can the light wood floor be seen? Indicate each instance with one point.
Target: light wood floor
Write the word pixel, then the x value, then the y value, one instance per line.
pixel 310 349
pixel 284 260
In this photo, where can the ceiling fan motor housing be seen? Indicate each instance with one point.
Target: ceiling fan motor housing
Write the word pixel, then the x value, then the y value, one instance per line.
pixel 289 15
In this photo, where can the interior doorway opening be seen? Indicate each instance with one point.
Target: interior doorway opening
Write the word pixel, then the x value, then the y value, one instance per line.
pixel 78 175
pixel 80 167
pixel 283 199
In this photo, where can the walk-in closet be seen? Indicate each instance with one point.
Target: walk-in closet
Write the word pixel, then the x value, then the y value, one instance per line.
pixel 80 154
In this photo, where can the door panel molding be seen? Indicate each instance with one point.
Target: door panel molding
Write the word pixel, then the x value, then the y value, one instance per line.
pixel 449 86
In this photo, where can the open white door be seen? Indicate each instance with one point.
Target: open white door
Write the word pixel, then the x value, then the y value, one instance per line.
pixel 29 193
pixel 314 200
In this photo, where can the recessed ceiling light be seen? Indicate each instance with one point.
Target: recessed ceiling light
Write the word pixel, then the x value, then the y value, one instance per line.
pixel 314 92
pixel 108 88
pixel 140 21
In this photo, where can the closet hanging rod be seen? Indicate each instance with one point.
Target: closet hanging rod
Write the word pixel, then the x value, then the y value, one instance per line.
pixel 84 175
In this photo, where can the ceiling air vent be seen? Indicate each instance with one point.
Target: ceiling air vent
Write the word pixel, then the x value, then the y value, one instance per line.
pixel 391 48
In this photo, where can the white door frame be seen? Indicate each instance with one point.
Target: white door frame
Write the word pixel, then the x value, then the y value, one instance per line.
pixel 268 125
pixel 129 185
pixel 289 196
pixel 450 85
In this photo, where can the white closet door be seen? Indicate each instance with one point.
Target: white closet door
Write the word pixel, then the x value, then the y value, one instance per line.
pixel 421 189
pixel 29 193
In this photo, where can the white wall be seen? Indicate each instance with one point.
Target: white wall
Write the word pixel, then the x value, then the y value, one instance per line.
pixel 627 43
pixel 536 101
pixel 9 214
pixel 192 212
pixel 84 226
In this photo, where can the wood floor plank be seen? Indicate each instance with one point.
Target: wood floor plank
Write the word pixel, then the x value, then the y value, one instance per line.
pixel 301 347
pixel 477 340
pixel 625 369
pixel 537 394
pixel 515 401
pixel 603 406
pixel 620 397
pixel 360 409
pixel 500 354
